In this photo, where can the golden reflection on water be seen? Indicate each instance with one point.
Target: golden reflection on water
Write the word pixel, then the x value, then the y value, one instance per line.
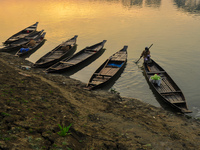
pixel 56 16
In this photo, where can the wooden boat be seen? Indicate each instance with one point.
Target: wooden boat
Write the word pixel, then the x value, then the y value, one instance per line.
pixel 58 53
pixel 21 34
pixel 14 46
pixel 33 45
pixel 168 89
pixel 78 58
pixel 112 67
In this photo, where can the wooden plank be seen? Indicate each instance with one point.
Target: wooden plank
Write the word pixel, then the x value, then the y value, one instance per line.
pixel 178 97
pixel 154 72
pixel 169 98
pixel 59 52
pixel 64 62
pixel 171 92
pixel 112 71
pixel 173 97
pixel 51 58
pixel 96 82
pixel 162 88
pixel 178 102
pixel 105 70
pixel 148 69
pixel 153 68
pixel 169 85
pixel 165 87
pixel 119 57
pixel 105 75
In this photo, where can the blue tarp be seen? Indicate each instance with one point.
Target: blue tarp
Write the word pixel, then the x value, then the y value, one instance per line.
pixel 115 65
pixel 24 50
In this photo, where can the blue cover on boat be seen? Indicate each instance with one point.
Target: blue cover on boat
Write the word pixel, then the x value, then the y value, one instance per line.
pixel 115 65
pixel 24 50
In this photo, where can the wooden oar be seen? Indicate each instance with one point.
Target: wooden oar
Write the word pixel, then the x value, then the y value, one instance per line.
pixel 138 59
pixel 141 56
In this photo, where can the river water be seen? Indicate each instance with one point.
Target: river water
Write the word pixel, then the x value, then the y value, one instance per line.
pixel 171 25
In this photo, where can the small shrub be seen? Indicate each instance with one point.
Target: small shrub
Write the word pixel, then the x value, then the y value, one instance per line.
pixel 64 130
pixel 5 114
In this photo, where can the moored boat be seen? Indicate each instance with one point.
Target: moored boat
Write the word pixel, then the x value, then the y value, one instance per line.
pixel 78 58
pixel 21 34
pixel 167 88
pixel 32 45
pixel 14 46
pixel 112 67
pixel 63 50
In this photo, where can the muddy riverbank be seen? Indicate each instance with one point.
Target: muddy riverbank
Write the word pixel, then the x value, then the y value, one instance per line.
pixel 34 103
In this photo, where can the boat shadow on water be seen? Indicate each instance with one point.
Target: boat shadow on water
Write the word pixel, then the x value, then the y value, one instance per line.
pixel 85 63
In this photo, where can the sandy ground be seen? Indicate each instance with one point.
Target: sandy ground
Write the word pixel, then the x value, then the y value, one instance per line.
pixel 33 105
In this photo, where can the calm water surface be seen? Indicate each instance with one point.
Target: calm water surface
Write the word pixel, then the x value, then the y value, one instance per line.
pixel 171 25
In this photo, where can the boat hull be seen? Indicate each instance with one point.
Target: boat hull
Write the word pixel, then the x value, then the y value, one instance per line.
pixel 21 34
pixel 39 42
pixel 58 53
pixel 110 70
pixel 168 90
pixel 83 56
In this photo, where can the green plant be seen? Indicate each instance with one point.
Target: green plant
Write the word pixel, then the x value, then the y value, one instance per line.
pixel 113 91
pixel 5 114
pixel 51 92
pixel 64 130
pixel 64 143
pixel 6 139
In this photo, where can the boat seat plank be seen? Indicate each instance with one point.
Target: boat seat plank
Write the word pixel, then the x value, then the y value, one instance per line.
pixel 96 82
pixel 65 62
pixel 51 58
pixel 177 102
pixel 172 98
pixel 105 75
pixel 109 71
pixel 58 52
pixel 113 71
pixel 119 58
pixel 155 72
pixel 169 98
pixel 105 70
pixel 170 92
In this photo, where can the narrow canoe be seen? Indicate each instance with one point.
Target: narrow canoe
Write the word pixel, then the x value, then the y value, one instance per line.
pixel 26 49
pixel 78 58
pixel 168 89
pixel 14 46
pixel 63 50
pixel 21 34
pixel 112 67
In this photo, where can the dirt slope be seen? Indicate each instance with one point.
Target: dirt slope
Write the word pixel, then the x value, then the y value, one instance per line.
pixel 33 103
